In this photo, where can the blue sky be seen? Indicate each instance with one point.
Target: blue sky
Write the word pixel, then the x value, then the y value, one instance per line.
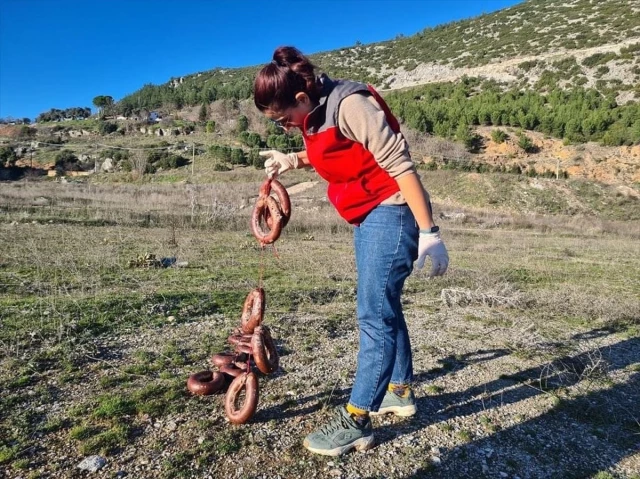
pixel 63 53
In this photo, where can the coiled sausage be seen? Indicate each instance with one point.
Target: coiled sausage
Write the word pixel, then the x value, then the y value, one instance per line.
pixel 249 383
pixel 244 348
pixel 264 350
pixel 253 311
pixel 232 370
pixel 222 359
pixel 204 383
pixel 240 339
pixel 274 212
pixel 266 235
pixel 283 200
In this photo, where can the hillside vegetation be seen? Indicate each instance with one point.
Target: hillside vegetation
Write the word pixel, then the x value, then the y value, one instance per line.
pixel 518 90
pixel 530 29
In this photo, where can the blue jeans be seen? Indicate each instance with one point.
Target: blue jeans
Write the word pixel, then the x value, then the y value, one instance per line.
pixel 386 245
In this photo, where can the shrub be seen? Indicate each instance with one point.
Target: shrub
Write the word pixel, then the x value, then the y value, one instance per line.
pixel 243 124
pixel 26 132
pixel 254 159
pixel 499 136
pixel 165 160
pixel 526 66
pixel 106 127
pixel 526 144
pixel 66 160
pixel 598 59
pixel 8 156
pixel 238 157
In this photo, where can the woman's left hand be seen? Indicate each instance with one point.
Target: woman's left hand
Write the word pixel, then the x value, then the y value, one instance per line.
pixel 431 245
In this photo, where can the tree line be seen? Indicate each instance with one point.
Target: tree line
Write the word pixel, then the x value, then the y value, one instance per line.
pixel 577 115
pixel 55 114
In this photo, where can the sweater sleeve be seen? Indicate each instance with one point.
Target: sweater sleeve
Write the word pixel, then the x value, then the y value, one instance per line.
pixel 361 119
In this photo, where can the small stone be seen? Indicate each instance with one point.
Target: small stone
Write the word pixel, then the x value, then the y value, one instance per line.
pixel 171 426
pixel 92 463
pixel 171 319
pixel 504 474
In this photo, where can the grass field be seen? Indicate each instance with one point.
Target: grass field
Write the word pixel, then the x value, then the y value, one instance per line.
pixel 527 353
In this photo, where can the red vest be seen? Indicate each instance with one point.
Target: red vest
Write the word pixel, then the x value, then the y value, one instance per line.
pixel 357 184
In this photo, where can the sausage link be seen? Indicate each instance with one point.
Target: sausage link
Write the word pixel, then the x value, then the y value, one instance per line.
pixel 245 365
pixel 283 200
pixel 264 350
pixel 248 382
pixel 259 214
pixel 244 348
pixel 253 311
pixel 265 187
pixel 239 339
pixel 205 383
pixel 231 370
pixel 222 359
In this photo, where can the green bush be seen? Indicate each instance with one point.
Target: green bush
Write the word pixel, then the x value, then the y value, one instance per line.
pixel 238 157
pixel 526 144
pixel 598 59
pixel 165 160
pixel 243 124
pixel 499 136
pixel 254 159
pixel 106 127
pixel 66 160
pixel 26 132
pixel 526 66
pixel 8 156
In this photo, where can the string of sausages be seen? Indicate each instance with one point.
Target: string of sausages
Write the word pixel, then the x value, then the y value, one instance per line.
pixel 253 346
pixel 270 214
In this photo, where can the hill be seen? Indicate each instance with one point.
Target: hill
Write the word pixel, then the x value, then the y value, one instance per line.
pixel 533 35
pixel 543 88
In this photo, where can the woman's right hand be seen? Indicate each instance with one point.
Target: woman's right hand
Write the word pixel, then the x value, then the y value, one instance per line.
pixel 277 163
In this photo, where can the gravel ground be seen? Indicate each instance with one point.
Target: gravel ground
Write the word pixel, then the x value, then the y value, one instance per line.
pixel 481 409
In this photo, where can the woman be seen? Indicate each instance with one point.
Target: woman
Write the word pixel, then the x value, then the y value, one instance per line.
pixel 354 143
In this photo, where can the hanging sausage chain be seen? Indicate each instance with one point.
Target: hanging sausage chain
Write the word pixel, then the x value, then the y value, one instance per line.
pixel 270 213
pixel 252 343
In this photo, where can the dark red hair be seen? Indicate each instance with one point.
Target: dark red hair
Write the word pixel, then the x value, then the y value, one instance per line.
pixel 289 72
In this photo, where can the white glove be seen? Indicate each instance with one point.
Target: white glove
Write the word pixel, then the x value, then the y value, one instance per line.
pixel 277 163
pixel 430 244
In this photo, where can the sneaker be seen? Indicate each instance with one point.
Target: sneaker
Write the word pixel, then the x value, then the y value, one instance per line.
pixel 392 403
pixel 340 435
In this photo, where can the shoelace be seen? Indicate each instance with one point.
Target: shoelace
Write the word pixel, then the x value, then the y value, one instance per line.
pixel 339 422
